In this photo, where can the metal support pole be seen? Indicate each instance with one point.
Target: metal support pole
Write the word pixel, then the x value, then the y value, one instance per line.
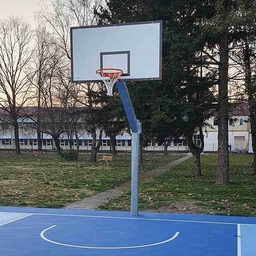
pixel 135 174
pixel 135 162
pixel 135 126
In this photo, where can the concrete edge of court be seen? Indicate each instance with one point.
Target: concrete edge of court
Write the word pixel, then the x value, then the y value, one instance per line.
pixel 102 198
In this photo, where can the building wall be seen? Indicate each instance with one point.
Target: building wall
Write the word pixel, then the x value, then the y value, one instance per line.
pixel 239 134
pixel 239 139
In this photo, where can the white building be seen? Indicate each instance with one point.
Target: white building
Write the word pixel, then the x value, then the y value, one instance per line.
pixel 239 131
pixel 239 136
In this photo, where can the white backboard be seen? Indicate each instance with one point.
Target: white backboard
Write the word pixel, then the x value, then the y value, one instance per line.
pixel 136 48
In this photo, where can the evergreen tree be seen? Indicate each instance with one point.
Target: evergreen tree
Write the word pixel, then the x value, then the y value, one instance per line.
pixel 244 56
pixel 168 107
pixel 224 29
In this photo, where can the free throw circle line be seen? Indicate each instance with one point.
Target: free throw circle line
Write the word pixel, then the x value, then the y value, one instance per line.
pixel 42 235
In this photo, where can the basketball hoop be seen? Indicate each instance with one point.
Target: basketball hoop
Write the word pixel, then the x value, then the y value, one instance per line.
pixel 109 77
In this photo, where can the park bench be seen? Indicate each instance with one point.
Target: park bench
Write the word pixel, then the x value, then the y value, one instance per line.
pixel 107 159
pixel 36 153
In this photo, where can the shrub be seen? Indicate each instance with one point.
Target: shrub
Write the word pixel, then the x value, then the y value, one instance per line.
pixel 70 155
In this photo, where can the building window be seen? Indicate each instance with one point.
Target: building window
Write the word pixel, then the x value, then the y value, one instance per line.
pixel 215 121
pixel 33 142
pixel 151 143
pixel 87 142
pixel 121 143
pixel 6 142
pixel 23 142
pixel 47 142
pixel 104 143
pixel 64 142
pixel 241 121
pixel 129 143
pixel 177 142
pixel 184 142
pixel 197 140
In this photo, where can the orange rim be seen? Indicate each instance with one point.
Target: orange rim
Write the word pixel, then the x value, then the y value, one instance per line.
pixel 109 72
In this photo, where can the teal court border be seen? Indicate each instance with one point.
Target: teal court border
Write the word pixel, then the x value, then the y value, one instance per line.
pixel 33 231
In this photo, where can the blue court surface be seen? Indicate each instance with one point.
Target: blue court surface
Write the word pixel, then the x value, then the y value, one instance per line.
pixel 61 232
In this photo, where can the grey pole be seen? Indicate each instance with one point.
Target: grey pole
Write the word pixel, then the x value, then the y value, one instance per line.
pixel 135 126
pixel 135 161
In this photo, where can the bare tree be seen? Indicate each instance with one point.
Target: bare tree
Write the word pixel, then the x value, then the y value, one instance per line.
pixel 53 115
pixel 60 16
pixel 72 101
pixel 40 73
pixel 53 87
pixel 15 55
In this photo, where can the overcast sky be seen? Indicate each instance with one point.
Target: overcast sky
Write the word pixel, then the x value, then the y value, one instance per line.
pixel 25 9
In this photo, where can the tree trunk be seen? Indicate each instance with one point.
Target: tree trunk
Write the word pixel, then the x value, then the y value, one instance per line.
pixel 57 143
pixel 93 148
pixel 141 156
pixel 223 156
pixel 253 133
pixel 254 164
pixel 39 141
pixel 95 145
pixel 197 167
pixel 165 147
pixel 16 136
pixel 77 142
pixel 112 142
pixel 251 100
pixel 70 141
pixel 38 123
pixel 196 152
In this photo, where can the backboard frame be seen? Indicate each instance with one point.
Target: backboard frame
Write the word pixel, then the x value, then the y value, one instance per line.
pixel 126 75
pixel 125 72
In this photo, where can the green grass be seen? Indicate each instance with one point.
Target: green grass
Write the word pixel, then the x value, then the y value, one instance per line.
pixel 177 186
pixel 49 181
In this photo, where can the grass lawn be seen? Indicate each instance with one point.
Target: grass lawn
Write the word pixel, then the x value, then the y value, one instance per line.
pixel 178 191
pixel 49 181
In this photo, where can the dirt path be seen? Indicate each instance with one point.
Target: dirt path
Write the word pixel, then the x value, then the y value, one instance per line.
pixel 102 198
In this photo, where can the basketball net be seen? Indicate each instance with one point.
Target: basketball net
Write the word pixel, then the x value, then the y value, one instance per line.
pixel 109 77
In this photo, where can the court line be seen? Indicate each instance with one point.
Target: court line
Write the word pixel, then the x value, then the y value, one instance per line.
pixel 11 221
pixel 143 219
pixel 42 235
pixel 239 240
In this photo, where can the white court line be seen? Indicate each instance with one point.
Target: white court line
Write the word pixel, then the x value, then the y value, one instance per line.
pixel 239 240
pixel 16 219
pixel 142 219
pixel 246 239
pixel 42 235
